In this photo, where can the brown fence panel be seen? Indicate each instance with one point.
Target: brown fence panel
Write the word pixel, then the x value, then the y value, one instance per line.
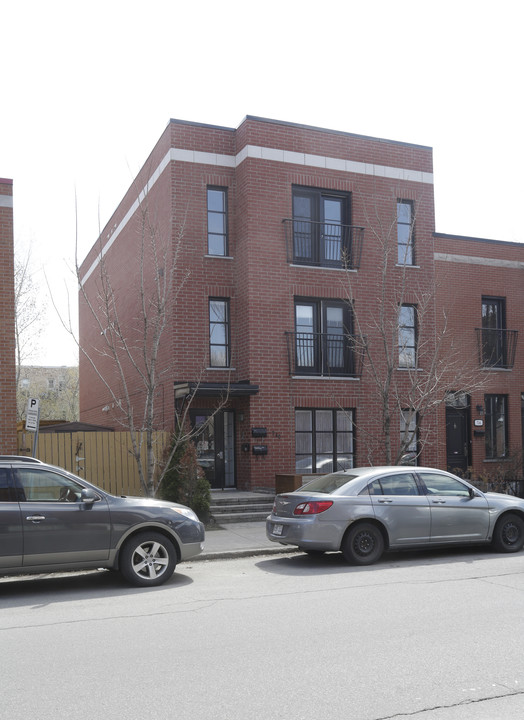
pixel 103 458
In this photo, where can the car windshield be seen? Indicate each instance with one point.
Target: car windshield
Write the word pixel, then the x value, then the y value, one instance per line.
pixel 327 483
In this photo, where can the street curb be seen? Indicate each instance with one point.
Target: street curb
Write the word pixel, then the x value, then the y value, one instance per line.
pixel 231 554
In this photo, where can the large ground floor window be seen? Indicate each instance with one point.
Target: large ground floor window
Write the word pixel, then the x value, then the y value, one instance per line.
pixel 324 440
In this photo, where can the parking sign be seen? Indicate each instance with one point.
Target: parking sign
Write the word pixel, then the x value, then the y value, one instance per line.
pixel 32 414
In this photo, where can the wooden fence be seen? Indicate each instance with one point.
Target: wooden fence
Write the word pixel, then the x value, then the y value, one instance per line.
pixel 103 458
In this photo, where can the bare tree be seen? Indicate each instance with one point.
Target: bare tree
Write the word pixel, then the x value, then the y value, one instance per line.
pixel 408 353
pixel 28 314
pixel 129 355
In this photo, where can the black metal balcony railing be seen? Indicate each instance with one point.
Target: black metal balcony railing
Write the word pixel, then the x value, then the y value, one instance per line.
pixel 325 354
pixel 496 347
pixel 322 243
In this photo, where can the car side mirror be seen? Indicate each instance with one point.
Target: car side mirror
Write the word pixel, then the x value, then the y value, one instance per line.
pixel 472 494
pixel 88 496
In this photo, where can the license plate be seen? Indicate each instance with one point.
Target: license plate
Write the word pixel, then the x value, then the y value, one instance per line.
pixel 277 529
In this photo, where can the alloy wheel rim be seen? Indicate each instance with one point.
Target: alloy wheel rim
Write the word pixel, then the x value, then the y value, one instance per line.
pixel 150 560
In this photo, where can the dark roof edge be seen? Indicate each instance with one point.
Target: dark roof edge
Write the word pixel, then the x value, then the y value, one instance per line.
pixel 450 236
pixel 303 127
pixel 176 121
pixel 336 132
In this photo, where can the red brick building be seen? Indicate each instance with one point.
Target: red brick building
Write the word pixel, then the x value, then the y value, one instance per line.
pixel 479 286
pixel 309 302
pixel 7 326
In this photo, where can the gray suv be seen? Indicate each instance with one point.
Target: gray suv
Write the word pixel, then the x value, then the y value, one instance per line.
pixel 52 520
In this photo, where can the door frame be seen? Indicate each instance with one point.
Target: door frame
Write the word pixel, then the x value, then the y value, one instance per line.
pixel 458 409
pixel 221 470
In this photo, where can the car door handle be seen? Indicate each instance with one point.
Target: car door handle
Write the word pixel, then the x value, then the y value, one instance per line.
pixel 438 502
pixel 385 501
pixel 35 518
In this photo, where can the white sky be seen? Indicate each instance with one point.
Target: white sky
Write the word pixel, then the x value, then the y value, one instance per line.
pixel 88 88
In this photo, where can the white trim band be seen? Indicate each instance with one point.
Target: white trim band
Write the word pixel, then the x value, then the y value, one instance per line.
pixel 473 260
pixel 259 153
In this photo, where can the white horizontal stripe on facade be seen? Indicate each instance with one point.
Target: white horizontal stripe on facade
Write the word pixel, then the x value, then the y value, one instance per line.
pixel 260 153
pixel 6 201
pixel 473 260
pixel 294 158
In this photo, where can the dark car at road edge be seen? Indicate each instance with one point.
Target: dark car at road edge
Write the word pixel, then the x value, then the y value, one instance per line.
pixel 54 521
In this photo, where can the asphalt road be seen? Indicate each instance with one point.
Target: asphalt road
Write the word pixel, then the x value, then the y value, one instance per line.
pixel 421 636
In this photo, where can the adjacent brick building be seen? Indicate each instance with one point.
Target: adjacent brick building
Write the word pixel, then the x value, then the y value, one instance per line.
pixel 479 287
pixel 309 262
pixel 7 325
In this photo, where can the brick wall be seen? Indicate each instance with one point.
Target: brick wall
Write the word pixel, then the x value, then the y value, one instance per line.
pixel 7 334
pixel 259 163
pixel 469 269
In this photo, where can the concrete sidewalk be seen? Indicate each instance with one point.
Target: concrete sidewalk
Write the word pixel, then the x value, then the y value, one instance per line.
pixel 239 540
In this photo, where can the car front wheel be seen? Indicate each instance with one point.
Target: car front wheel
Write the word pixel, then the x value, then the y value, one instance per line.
pixel 509 533
pixel 363 544
pixel 148 559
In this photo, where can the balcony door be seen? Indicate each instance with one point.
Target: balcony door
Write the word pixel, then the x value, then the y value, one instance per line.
pixel 319 232
pixel 321 331
pixel 493 324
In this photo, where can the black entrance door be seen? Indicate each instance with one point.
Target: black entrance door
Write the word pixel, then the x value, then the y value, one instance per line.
pixel 215 445
pixel 457 438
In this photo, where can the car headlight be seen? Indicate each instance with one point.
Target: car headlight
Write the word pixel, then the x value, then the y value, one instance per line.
pixel 187 513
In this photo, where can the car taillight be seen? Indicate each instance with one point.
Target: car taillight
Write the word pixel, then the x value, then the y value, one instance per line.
pixel 313 507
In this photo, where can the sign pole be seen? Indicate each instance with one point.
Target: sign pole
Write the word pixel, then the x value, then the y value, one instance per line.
pixel 32 419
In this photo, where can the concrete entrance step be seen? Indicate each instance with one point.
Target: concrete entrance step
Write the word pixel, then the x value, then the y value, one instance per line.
pixel 230 506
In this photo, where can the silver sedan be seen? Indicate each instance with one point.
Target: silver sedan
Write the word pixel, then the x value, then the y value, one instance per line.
pixel 365 511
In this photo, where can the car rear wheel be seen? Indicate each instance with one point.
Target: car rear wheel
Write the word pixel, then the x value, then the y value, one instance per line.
pixel 148 559
pixel 509 533
pixel 363 544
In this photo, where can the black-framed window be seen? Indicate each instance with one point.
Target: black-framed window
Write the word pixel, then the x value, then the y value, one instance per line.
pixel 493 326
pixel 324 440
pixel 322 332
pixel 496 417
pixel 321 227
pixel 219 332
pixel 405 232
pixel 407 336
pixel 217 237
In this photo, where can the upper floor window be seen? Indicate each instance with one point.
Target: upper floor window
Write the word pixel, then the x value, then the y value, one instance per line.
pixel 217 241
pixel 321 233
pixel 322 340
pixel 493 324
pixel 496 344
pixel 405 232
pixel 219 332
pixel 496 413
pixel 407 336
